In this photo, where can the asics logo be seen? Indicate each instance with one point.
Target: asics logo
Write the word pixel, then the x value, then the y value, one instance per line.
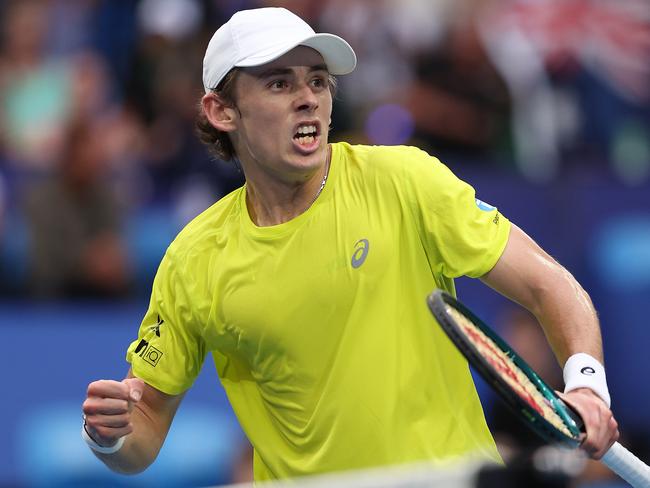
pixel 360 252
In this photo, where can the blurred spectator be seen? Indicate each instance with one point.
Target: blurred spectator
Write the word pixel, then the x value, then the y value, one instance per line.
pixel 459 100
pixel 70 26
pixel 34 89
pixel 579 74
pixel 164 88
pixel 424 59
pixel 74 220
pixel 365 26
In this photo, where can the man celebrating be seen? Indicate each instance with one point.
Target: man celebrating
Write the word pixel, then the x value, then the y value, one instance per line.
pixel 308 284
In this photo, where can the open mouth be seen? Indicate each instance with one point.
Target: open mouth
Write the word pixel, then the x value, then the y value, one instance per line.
pixel 306 134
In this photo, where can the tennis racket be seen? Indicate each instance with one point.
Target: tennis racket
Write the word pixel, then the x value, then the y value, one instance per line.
pixel 521 388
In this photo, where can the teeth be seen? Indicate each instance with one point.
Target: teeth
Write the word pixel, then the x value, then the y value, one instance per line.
pixel 306 140
pixel 306 129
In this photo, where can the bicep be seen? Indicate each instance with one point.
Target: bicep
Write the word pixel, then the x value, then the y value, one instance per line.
pixel 523 270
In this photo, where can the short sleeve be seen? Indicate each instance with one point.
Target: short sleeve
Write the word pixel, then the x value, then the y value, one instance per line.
pixel 169 351
pixel 462 235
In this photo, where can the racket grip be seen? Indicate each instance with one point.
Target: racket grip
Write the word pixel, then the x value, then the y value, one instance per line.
pixel 627 466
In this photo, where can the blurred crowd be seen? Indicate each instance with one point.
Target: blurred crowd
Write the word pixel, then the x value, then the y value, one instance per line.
pixel 100 165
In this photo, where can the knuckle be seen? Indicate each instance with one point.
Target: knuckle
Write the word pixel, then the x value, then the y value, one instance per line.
pixel 106 433
pixel 95 387
pixel 89 411
pixel 589 446
pixel 86 406
pixel 121 420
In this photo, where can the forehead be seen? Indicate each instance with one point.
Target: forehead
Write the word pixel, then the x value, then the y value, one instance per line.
pixel 299 56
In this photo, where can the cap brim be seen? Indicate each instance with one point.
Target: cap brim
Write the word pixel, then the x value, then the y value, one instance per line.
pixel 337 53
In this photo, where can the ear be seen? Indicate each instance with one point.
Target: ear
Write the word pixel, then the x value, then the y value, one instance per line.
pixel 220 114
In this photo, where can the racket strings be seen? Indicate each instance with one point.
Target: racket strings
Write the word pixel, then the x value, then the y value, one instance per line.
pixel 508 370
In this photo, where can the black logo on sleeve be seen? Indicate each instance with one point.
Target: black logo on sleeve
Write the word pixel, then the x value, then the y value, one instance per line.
pixel 147 352
pixel 141 345
pixel 156 328
pixel 588 370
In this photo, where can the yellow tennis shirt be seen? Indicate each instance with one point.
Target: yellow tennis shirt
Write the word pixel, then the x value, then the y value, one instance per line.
pixel 319 326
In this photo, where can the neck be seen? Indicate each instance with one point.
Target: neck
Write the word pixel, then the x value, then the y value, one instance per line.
pixel 273 201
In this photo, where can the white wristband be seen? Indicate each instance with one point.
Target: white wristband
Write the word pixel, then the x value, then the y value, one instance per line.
pixel 584 371
pixel 101 449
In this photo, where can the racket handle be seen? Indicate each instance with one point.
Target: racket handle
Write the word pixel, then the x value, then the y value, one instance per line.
pixel 627 466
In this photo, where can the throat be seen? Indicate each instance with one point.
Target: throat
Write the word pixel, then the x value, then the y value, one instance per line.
pixel 268 206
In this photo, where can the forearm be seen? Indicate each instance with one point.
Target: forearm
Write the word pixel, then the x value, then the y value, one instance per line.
pixel 140 447
pixel 567 315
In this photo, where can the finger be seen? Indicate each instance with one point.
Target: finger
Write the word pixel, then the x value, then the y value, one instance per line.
pixel 107 406
pixel 114 421
pixel 602 432
pixel 592 438
pixel 108 436
pixel 108 389
pixel 135 388
pixel 613 426
pixel 610 434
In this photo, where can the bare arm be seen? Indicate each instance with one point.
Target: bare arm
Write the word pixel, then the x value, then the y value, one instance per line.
pixel 114 409
pixel 529 276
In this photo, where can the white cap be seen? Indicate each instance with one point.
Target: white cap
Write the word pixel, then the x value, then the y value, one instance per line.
pixel 259 36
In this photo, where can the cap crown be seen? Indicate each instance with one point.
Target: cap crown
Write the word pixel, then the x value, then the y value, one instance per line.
pixel 258 36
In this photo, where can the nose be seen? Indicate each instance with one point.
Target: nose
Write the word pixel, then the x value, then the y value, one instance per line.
pixel 306 99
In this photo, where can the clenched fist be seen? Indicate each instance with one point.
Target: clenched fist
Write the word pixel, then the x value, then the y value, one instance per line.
pixel 107 409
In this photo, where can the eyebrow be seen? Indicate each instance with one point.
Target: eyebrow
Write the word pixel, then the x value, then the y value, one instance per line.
pixel 286 71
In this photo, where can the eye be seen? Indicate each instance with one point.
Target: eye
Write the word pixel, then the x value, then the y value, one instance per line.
pixel 319 82
pixel 277 84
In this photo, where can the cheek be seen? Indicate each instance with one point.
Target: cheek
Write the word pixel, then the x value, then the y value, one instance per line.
pixel 327 106
pixel 263 125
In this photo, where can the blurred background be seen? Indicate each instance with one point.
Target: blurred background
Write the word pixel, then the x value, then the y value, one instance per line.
pixel 543 106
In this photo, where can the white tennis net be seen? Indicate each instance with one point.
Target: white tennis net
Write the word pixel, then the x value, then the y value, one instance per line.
pixel 548 467
pixel 461 475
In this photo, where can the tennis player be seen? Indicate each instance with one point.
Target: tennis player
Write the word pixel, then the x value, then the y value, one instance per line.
pixel 308 285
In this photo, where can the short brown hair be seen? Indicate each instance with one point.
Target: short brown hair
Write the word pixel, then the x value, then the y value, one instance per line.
pixel 218 142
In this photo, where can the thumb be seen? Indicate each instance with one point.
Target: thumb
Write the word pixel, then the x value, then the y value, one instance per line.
pixel 136 387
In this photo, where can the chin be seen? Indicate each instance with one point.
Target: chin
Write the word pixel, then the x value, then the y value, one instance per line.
pixel 311 158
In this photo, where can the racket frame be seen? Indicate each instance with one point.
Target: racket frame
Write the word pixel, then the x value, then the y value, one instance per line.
pixel 437 302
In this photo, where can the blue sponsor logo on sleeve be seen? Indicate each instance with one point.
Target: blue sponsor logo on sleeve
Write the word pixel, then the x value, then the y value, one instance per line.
pixel 486 207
